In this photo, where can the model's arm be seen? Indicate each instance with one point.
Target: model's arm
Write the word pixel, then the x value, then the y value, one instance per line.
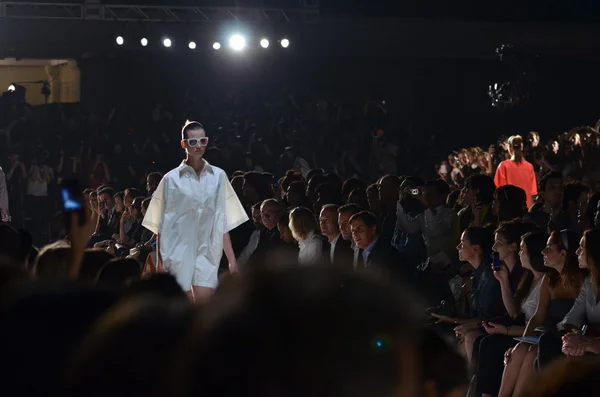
pixel 229 253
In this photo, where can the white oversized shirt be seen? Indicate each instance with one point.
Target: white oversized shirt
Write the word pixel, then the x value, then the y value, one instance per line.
pixel 191 213
pixel 311 250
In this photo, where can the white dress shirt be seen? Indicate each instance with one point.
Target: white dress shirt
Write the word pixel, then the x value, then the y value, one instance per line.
pixel 356 254
pixel 191 213
pixel 311 250
pixel 585 310
pixel 332 244
pixel 436 229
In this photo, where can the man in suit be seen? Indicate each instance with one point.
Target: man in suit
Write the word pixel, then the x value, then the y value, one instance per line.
pixel 271 211
pixel 379 255
pixel 345 212
pixel 340 251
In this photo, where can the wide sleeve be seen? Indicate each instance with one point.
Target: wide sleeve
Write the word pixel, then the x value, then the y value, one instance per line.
pixel 500 177
pixel 235 214
pixel 156 209
pixel 533 190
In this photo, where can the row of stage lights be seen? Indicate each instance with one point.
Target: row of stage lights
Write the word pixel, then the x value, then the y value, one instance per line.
pixel 237 42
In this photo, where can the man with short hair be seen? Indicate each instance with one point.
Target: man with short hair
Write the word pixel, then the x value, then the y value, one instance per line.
pixel 345 212
pixel 270 210
pixel 340 252
pixel 192 212
pixel 378 254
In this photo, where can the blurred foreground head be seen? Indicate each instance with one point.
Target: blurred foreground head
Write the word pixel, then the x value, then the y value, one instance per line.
pixel 301 332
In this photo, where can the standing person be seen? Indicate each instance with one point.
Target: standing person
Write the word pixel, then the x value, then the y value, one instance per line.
pixel 517 171
pixel 192 211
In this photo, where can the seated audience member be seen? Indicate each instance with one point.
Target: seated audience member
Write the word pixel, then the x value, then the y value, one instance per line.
pixel 551 192
pixel 340 252
pixel 270 211
pixel 373 199
pixel 510 202
pixel 118 272
pixel 108 219
pixel 436 224
pixel 345 212
pixel 305 230
pixel 350 185
pixel 152 181
pixel 486 297
pixel 93 260
pixel 558 291
pixel 128 349
pixel 249 249
pixel 500 337
pixel 443 369
pixel 294 195
pixel 477 195
pixel 575 201
pixel 378 255
pixel 411 243
pixel 586 309
pixel 53 261
pixel 364 352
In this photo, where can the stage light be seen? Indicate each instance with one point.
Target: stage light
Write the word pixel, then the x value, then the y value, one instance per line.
pixel 167 42
pixel 120 40
pixel 192 45
pixel 217 45
pixel 12 88
pixel 285 43
pixel 144 42
pixel 264 43
pixel 237 42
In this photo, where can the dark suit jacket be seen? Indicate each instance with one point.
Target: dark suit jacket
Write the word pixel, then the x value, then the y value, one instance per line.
pixel 343 255
pixel 388 261
pixel 269 241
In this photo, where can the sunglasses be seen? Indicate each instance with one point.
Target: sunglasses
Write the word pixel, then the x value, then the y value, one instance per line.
pixel 193 142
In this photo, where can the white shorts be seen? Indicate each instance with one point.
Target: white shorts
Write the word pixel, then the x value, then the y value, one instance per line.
pixel 203 274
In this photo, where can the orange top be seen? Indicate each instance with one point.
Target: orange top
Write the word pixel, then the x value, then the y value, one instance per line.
pixel 518 174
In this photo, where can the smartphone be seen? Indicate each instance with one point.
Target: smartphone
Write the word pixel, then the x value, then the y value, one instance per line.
pixel 443 169
pixel 497 264
pixel 72 200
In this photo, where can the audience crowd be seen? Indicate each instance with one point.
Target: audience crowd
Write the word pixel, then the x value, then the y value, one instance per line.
pixel 359 272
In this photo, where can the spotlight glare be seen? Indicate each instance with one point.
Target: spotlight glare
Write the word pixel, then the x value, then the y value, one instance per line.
pixel 264 43
pixel 12 88
pixel 237 42
pixel 167 42
pixel 120 40
pixel 285 43
pixel 217 45
pixel 144 42
pixel 192 45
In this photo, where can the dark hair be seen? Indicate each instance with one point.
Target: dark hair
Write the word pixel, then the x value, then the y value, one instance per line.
pixel 133 192
pixel 349 186
pixel 118 272
pixel 284 220
pixel 414 181
pixel 515 229
pixel 120 195
pixel 547 177
pixel 367 217
pixel 328 193
pixel 516 143
pixel 190 126
pixel 485 184
pixel 138 202
pixel 592 248
pixel 568 241
pixel 592 209
pixel 158 284
pixel 512 202
pixel 93 260
pixel 157 176
pixel 313 172
pixel 535 242
pixel 482 237
pixel 106 190
pixel 331 207
pixel 571 193
pixel 350 209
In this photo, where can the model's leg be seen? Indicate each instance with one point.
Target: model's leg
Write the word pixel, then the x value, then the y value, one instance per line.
pixel 201 294
pixel 526 372
pixel 511 371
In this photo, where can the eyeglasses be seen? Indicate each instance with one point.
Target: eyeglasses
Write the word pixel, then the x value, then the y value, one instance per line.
pixel 193 142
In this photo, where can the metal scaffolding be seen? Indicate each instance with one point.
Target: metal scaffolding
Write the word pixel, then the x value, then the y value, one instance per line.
pixel 307 13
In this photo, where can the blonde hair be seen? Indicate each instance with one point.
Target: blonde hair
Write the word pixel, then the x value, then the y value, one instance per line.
pixel 515 148
pixel 302 223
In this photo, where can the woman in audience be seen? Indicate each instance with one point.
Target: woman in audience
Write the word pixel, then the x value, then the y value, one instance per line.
pixel 586 309
pixel 558 291
pixel 510 202
pixel 305 230
pixel 500 337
